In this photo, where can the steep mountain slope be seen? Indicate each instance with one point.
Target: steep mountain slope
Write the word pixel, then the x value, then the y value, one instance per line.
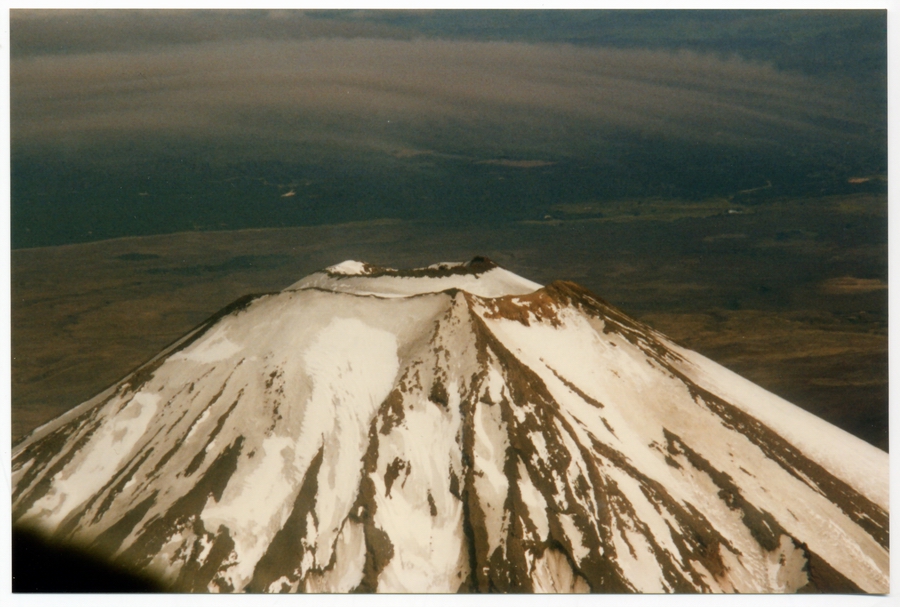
pixel 453 428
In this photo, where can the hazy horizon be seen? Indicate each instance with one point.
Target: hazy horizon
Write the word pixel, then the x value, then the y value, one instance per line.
pixel 145 122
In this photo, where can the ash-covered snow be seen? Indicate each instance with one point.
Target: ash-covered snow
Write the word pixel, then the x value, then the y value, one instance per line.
pixel 453 428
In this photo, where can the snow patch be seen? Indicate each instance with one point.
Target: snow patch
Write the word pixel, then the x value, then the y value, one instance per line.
pixel 491 484
pixel 552 573
pixel 255 503
pixel 638 563
pixel 534 502
pixel 348 268
pixel 97 461
pixel 353 367
pixel 573 533
pixel 209 349
pixel 347 572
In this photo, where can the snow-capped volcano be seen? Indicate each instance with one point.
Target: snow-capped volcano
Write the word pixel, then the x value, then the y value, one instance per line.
pixel 455 427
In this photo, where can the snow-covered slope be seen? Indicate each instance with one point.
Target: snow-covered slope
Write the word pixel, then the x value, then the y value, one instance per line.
pixel 453 427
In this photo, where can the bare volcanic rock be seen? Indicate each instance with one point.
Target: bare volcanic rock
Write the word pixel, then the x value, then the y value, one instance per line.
pixel 452 428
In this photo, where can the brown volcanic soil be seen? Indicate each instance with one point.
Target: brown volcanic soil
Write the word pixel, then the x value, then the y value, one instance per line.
pixel 752 290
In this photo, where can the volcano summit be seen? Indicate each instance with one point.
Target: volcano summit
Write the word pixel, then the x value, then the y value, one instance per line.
pixel 453 428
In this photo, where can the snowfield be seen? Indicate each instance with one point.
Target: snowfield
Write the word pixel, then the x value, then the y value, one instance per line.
pixel 455 427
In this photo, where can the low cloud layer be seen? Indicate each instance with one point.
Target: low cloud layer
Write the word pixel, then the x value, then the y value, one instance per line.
pixel 362 87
